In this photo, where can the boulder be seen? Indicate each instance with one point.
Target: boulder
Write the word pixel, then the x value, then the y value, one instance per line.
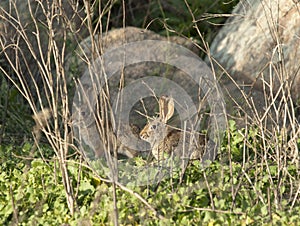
pixel 82 65
pixel 259 47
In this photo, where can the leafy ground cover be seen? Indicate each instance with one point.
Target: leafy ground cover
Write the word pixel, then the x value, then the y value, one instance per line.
pixel 227 192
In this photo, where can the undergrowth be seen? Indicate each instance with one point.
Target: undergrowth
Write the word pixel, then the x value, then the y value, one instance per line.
pixel 45 181
pixel 227 192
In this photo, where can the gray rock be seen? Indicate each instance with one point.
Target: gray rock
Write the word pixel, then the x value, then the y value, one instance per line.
pixel 260 42
pixel 83 64
pixel 91 48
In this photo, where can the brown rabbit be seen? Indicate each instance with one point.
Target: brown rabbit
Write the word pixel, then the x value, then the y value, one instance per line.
pixel 164 139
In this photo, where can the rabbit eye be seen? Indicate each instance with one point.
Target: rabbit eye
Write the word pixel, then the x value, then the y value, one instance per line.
pixel 153 127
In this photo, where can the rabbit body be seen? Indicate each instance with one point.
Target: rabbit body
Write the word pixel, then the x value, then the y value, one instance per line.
pixel 164 140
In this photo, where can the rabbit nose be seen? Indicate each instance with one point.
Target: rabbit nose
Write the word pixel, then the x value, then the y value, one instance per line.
pixel 144 136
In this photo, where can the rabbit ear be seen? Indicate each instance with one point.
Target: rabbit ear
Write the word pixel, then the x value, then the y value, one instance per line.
pixel 166 108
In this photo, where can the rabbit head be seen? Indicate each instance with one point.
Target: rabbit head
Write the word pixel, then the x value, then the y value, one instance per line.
pixel 156 130
pixel 163 139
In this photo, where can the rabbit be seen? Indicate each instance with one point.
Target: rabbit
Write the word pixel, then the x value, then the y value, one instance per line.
pixel 163 139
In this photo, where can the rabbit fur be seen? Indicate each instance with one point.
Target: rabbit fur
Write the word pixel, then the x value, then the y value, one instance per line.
pixel 164 140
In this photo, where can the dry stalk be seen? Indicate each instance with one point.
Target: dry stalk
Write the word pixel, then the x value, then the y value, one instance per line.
pixel 276 142
pixel 49 103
